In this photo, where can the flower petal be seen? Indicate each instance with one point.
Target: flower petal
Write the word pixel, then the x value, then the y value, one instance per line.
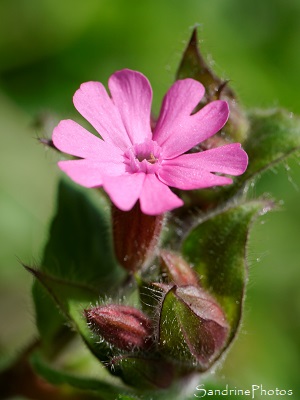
pixel 178 104
pixel 94 104
pixel 132 94
pixel 156 198
pixel 230 159
pixel 90 173
pixel 72 138
pixel 182 173
pixel 124 190
pixel 188 131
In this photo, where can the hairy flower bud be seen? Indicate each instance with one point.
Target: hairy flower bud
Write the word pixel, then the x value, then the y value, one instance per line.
pixel 136 236
pixel 192 327
pixel 122 326
pixel 177 269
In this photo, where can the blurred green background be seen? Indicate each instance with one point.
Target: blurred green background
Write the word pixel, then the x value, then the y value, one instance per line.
pixel 49 47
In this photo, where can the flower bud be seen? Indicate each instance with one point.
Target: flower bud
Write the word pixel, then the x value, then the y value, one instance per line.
pixel 136 236
pixel 177 269
pixel 122 326
pixel 192 327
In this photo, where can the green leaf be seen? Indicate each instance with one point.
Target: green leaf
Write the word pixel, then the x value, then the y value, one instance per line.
pixel 78 255
pixel 72 299
pixel 193 65
pixel 79 246
pixel 50 321
pixel 109 387
pixel 274 135
pixel 217 250
pixel 53 374
pixel 144 372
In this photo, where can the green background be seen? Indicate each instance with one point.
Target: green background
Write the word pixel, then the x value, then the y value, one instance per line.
pixel 49 47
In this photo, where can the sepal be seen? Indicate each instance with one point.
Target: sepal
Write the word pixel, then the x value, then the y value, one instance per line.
pixel 192 328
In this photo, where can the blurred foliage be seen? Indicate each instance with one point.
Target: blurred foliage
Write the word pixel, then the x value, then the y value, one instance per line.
pixel 47 48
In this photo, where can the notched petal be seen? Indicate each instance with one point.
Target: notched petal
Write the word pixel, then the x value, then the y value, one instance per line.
pixel 132 94
pixel 93 102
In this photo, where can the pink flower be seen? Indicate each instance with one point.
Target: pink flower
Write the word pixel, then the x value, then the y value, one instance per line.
pixel 132 162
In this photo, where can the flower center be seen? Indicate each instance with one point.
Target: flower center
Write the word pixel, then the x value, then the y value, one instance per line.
pixel 143 157
pixel 151 160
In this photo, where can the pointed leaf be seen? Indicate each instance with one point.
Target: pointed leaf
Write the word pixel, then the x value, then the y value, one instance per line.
pixel 80 245
pixel 144 373
pixel 72 299
pixel 50 321
pixel 107 390
pixel 217 249
pixel 79 251
pixel 193 65
pixel 274 135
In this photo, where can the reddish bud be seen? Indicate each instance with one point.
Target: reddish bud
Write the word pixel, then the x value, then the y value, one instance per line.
pixel 177 269
pixel 122 326
pixel 136 236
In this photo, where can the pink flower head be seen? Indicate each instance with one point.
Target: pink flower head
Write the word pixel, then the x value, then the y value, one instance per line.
pixel 132 162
